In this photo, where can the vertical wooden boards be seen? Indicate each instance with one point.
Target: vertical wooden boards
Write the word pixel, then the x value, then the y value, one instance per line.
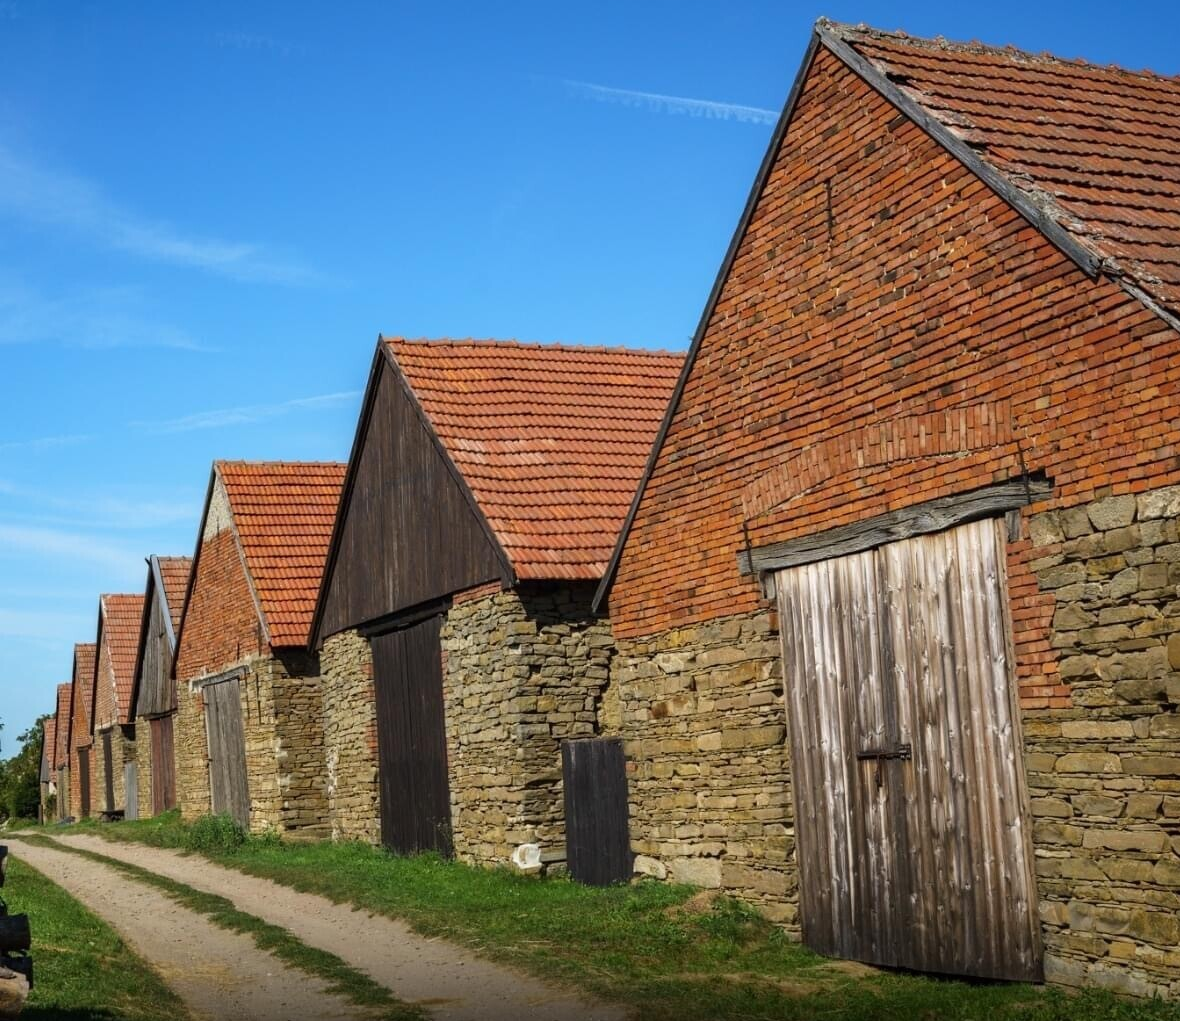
pixel 84 783
pixel 131 786
pixel 163 765
pixel 227 750
pixel 411 739
pixel 108 773
pixel 910 806
pixel 597 833
pixel 157 689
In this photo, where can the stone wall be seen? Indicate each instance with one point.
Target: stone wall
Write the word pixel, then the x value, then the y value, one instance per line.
pixel 522 670
pixel 123 750
pixel 282 725
pixel 702 715
pixel 143 760
pixel 1104 773
pixel 350 738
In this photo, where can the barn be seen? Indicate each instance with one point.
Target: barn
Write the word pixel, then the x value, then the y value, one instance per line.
pixel 248 727
pixel 896 600
pixel 153 695
pixel 48 775
pixel 80 740
pixel 61 755
pixel 116 782
pixel 485 488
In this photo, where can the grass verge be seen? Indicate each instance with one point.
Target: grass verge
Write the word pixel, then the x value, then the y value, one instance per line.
pixel 669 952
pixel 341 979
pixel 83 971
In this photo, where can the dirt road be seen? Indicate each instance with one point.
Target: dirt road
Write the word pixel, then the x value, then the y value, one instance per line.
pixel 450 982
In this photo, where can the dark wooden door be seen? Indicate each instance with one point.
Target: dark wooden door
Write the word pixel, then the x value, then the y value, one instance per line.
pixel 163 765
pixel 131 790
pixel 412 740
pixel 108 773
pixel 227 750
pixel 913 841
pixel 597 835
pixel 83 783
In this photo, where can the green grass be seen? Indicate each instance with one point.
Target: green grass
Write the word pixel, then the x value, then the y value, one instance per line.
pixel 83 971
pixel 341 979
pixel 653 946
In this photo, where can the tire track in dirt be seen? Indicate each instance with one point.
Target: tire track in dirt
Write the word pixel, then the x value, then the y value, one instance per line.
pixel 452 983
pixel 218 974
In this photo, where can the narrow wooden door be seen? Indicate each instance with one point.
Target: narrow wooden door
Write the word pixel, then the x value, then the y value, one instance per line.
pixel 597 834
pixel 163 765
pixel 912 832
pixel 108 773
pixel 131 789
pixel 83 783
pixel 412 740
pixel 227 750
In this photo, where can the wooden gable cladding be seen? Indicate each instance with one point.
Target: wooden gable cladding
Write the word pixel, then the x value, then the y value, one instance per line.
pixel 408 532
pixel 155 687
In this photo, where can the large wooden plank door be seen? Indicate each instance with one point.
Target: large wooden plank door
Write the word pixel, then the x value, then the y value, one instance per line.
pixel 163 765
pixel 108 773
pixel 597 834
pixel 911 823
pixel 131 788
pixel 411 739
pixel 83 783
pixel 227 750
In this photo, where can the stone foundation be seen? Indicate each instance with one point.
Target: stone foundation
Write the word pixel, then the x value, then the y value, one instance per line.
pixel 282 723
pixel 522 670
pixel 702 716
pixel 1104 774
pixel 350 738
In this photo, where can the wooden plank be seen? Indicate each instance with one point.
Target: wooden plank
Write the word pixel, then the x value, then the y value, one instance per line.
pixel 157 689
pixel 108 773
pixel 228 785
pixel 163 759
pixel 84 783
pixel 411 739
pixel 921 519
pixel 597 828
pixel 131 787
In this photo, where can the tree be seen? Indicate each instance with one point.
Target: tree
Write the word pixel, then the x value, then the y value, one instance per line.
pixel 20 776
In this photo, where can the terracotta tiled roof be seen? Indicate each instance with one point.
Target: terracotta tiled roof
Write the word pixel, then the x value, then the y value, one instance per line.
pixel 284 513
pixel 62 721
pixel 122 616
pixel 551 440
pixel 1096 148
pixel 82 692
pixel 174 573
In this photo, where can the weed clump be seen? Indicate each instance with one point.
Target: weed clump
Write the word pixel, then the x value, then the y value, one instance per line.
pixel 214 834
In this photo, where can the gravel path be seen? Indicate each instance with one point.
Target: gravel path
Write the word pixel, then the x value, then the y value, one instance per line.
pixel 450 982
pixel 218 974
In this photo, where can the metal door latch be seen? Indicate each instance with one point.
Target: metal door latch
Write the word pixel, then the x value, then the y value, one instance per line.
pixel 901 751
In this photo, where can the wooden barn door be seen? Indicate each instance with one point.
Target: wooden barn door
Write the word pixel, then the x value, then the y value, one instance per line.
pixel 411 739
pixel 131 789
pixel 108 773
pixel 163 765
pixel 909 794
pixel 227 750
pixel 597 835
pixel 83 783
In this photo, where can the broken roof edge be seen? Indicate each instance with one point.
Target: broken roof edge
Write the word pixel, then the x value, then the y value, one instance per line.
pixel 834 36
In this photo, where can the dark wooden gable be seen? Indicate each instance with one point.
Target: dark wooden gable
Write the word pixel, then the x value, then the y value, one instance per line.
pixel 407 531
pixel 155 687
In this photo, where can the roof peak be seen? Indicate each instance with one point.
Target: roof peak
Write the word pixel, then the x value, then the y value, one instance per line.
pixel 482 342
pixel 853 33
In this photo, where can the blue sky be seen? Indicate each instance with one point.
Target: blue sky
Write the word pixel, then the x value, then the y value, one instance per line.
pixel 209 211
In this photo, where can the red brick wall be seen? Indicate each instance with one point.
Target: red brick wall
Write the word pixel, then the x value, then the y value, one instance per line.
pixel 912 349
pixel 221 626
pixel 106 713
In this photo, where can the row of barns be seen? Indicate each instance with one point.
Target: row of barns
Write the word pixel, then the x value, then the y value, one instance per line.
pixel 867 611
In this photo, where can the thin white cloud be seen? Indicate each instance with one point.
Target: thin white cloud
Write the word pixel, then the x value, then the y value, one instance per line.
pixel 41 443
pixel 657 103
pixel 25 541
pixel 115 511
pixel 40 195
pixel 246 414
pixel 96 317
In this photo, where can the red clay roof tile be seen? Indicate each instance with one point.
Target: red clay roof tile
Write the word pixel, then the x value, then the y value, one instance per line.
pixel 122 616
pixel 550 439
pixel 174 573
pixel 1097 147
pixel 284 513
